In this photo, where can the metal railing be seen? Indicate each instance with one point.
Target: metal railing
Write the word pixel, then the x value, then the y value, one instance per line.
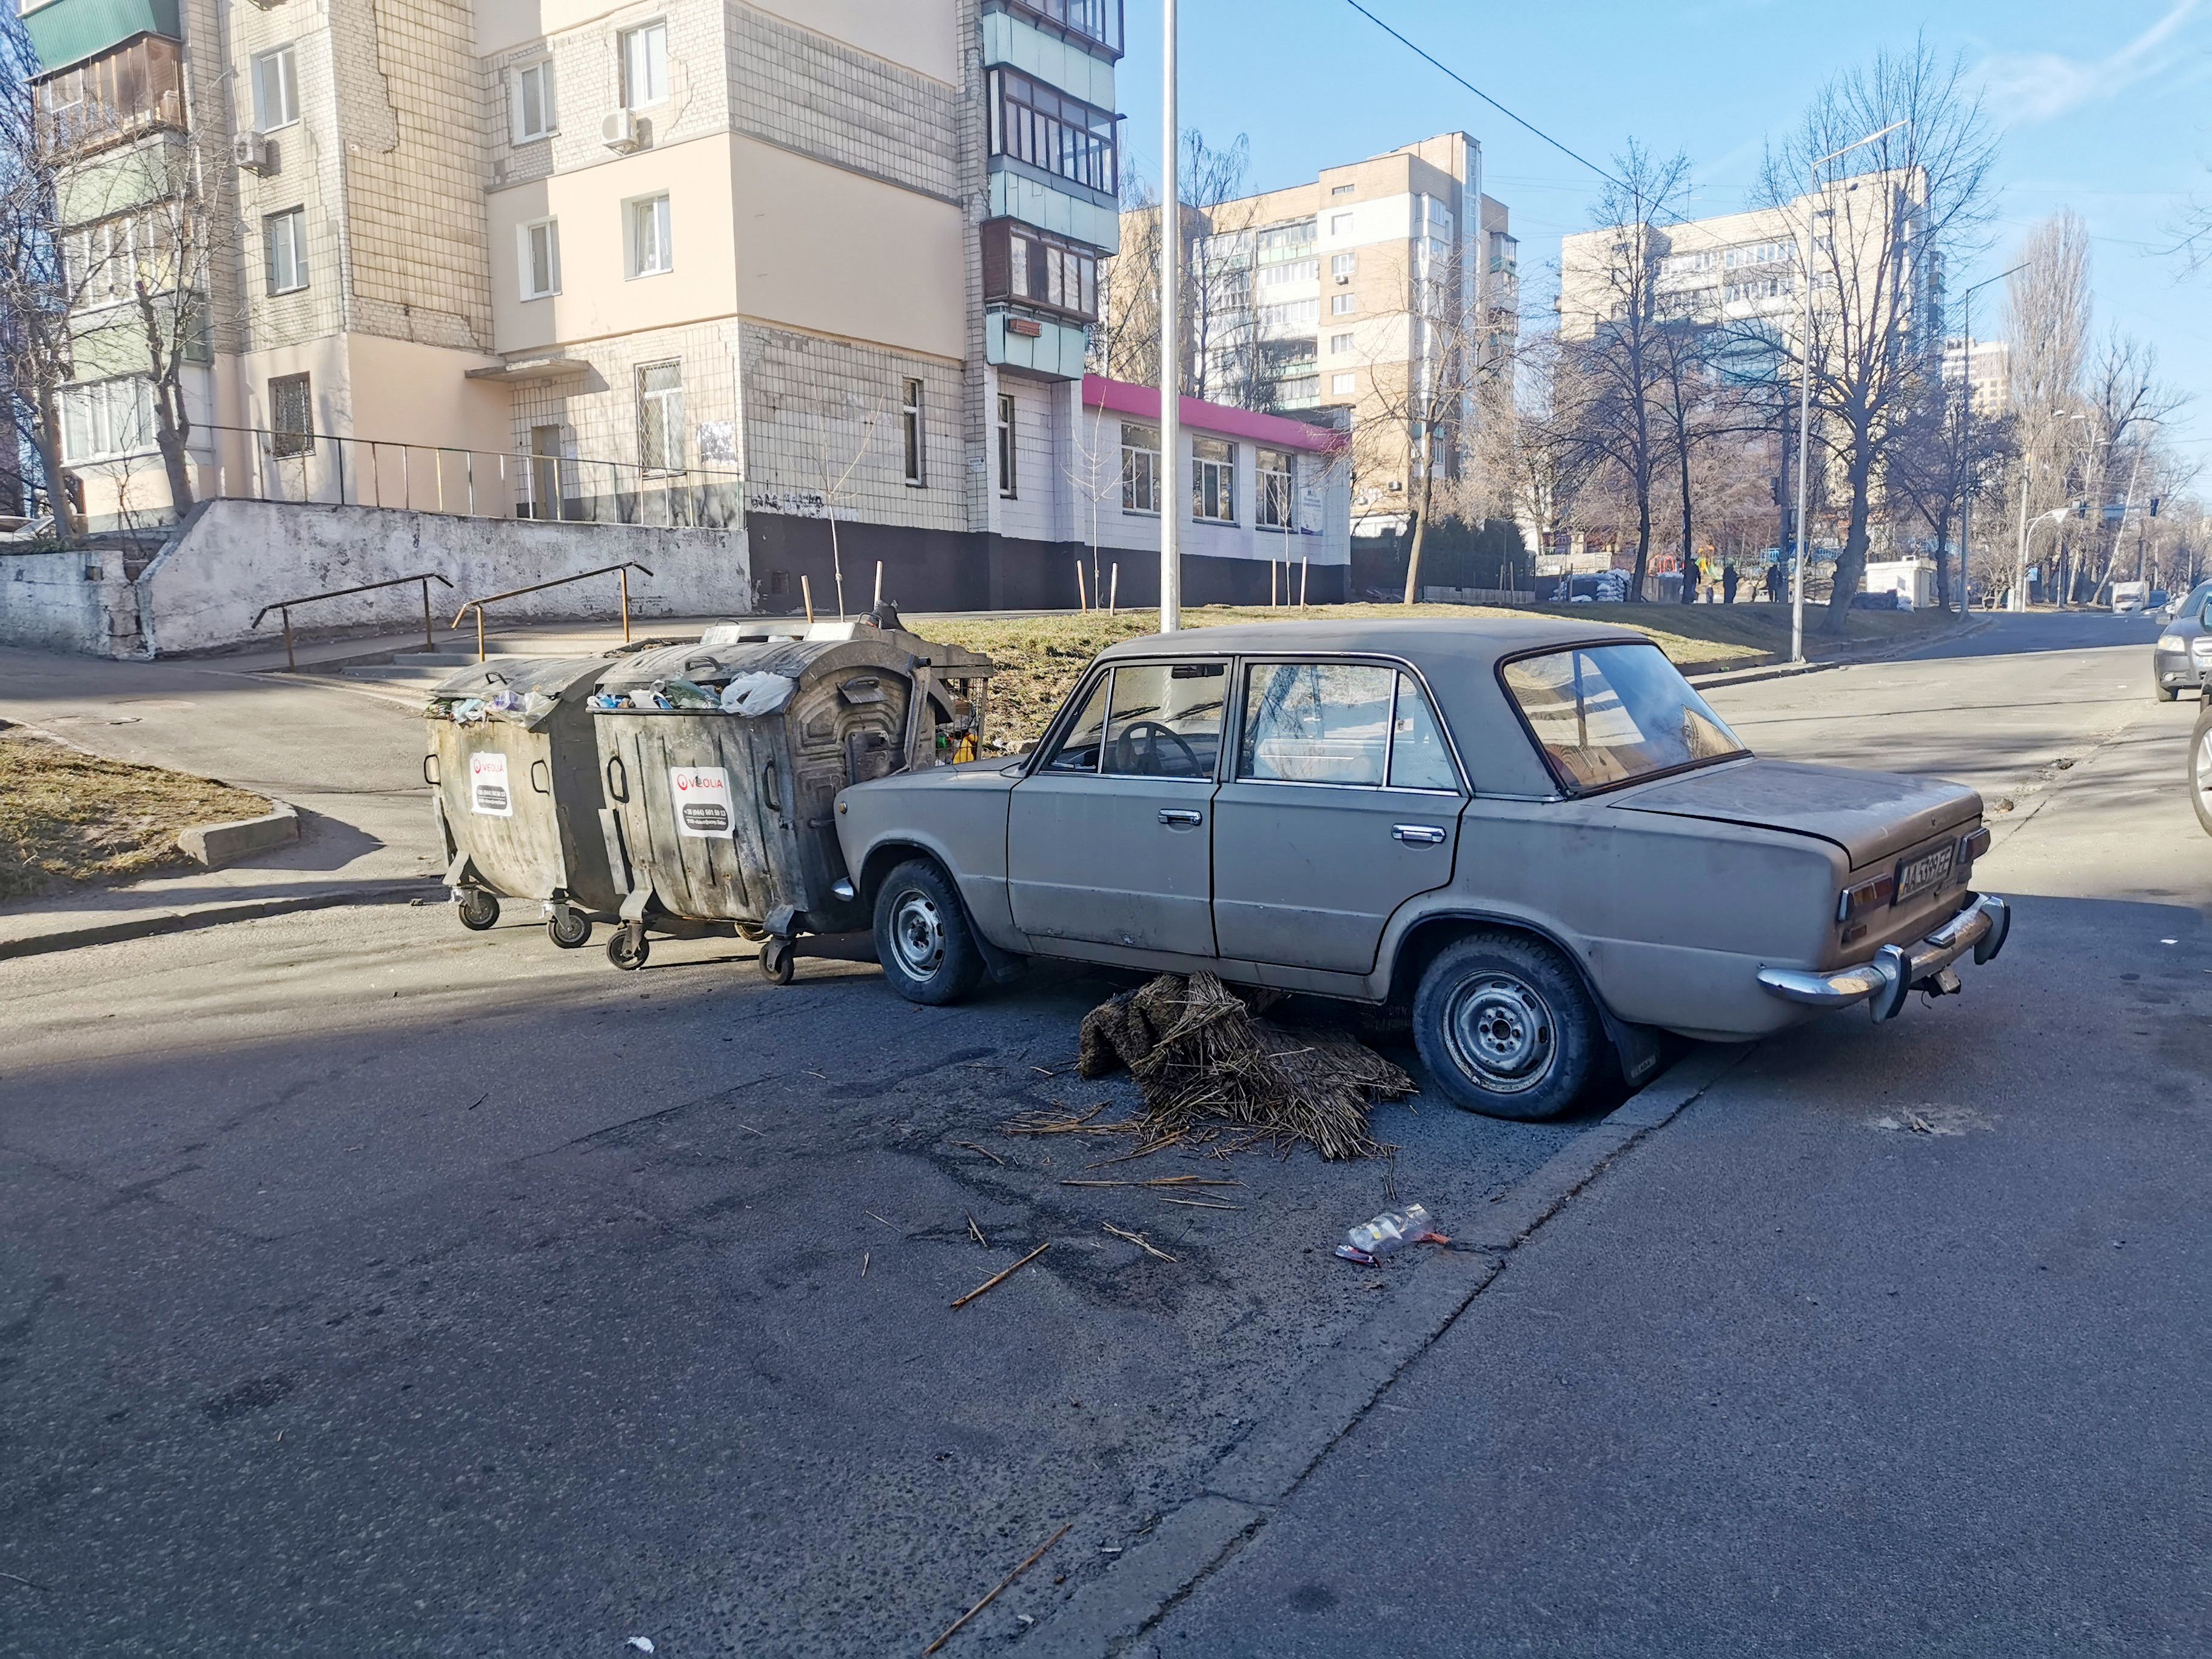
pixel 326 469
pixel 429 638
pixel 621 570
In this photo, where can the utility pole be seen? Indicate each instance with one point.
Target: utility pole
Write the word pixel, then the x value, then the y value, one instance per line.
pixel 1170 336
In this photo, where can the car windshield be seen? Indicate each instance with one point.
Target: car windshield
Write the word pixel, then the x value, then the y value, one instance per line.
pixel 1610 714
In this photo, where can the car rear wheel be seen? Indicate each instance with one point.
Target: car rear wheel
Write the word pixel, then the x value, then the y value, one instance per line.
pixel 1506 1028
pixel 2200 768
pixel 923 938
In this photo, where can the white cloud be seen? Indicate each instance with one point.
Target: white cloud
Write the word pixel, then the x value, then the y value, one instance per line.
pixel 2024 88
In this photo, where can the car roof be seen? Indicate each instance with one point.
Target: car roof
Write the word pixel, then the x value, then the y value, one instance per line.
pixel 1420 639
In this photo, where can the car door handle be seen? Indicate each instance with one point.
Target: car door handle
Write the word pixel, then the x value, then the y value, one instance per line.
pixel 1417 835
pixel 1182 814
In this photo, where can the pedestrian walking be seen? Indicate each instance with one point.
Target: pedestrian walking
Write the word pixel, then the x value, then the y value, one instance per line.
pixel 1774 584
pixel 1689 582
pixel 1728 580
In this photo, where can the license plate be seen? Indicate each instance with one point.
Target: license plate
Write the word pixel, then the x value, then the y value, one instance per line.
pixel 1924 874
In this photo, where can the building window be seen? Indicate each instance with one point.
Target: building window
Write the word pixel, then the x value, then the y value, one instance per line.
pixel 1342 305
pixel 276 90
pixel 1340 224
pixel 1295 271
pixel 1296 314
pixel 1272 477
pixel 1140 468
pixel 1213 480
pixel 291 415
pixel 284 249
pixel 1343 265
pixel 660 418
pixel 652 249
pixel 1006 446
pixel 1032 122
pixel 1019 264
pixel 531 101
pixel 910 427
pixel 1339 345
pixel 645 65
pixel 110 417
pixel 539 246
pixel 1343 386
pixel 1341 190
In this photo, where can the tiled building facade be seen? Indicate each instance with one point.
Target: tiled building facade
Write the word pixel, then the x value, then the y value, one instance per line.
pixel 810 261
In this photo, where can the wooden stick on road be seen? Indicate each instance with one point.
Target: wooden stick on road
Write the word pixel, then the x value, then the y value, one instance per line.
pixel 1001 1278
pixel 1003 1582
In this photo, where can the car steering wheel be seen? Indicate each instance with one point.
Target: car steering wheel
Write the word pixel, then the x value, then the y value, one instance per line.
pixel 1124 750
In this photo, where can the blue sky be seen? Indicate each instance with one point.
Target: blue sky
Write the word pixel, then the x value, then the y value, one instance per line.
pixel 2107 108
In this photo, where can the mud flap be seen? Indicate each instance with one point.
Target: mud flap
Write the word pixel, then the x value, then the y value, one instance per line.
pixel 1637 1046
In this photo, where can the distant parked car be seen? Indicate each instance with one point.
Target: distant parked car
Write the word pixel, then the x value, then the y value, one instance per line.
pixel 2174 668
pixel 1887 601
pixel 1531 834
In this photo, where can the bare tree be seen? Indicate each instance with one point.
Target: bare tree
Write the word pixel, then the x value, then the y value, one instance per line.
pixel 1125 344
pixel 1884 216
pixel 1217 325
pixel 35 300
pixel 1944 456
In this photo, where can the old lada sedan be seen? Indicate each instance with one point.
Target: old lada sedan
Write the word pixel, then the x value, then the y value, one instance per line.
pixel 1534 835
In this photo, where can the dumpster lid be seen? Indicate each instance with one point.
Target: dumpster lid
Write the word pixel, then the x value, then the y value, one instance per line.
pixel 556 677
pixel 806 660
pixel 945 659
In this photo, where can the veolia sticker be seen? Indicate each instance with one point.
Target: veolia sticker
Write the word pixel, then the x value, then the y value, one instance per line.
pixel 702 794
pixel 488 785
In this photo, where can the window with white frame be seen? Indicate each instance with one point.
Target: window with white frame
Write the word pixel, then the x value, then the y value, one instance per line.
pixel 1340 224
pixel 650 248
pixel 1140 468
pixel 109 417
pixel 1342 305
pixel 660 418
pixel 1343 265
pixel 1339 345
pixel 1293 270
pixel 276 90
pixel 538 257
pixel 1293 314
pixel 530 99
pixel 1343 386
pixel 1213 480
pixel 1006 475
pixel 1273 502
pixel 284 249
pixel 911 431
pixel 645 65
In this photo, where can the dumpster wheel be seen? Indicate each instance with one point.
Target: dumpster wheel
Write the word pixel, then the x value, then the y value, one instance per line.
pixel 477 908
pixel 627 949
pixel 568 927
pixel 779 961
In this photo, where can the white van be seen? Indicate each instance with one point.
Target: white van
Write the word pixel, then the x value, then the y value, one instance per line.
pixel 2129 596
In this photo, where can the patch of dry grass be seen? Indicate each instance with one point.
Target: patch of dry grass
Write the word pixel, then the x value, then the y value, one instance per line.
pixel 68 816
pixel 1040 658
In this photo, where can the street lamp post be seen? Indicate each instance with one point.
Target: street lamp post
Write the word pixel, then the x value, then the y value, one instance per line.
pixel 1974 479
pixel 1170 336
pixel 1805 394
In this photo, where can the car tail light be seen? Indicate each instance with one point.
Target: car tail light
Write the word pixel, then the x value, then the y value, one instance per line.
pixel 1865 896
pixel 1976 844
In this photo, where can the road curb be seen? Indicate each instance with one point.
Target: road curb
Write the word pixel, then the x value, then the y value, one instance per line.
pixel 1257 1474
pixel 212 915
pixel 217 844
pixel 1735 676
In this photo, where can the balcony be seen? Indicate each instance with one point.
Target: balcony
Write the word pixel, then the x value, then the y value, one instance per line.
pixel 113 97
pixel 67 32
pixel 1087 22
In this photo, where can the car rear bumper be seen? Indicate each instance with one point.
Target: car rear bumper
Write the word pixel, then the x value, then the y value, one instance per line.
pixel 1899 970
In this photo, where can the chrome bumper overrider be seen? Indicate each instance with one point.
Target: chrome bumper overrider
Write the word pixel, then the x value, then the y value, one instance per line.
pixel 1899 970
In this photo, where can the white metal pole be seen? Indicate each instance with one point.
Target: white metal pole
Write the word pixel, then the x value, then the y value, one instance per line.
pixel 1804 433
pixel 1171 507
pixel 1973 476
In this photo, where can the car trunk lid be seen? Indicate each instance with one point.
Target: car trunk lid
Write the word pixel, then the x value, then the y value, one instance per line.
pixel 1870 815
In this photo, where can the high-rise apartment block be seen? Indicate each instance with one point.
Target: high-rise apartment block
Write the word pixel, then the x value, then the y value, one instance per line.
pixel 782 262
pixel 1984 367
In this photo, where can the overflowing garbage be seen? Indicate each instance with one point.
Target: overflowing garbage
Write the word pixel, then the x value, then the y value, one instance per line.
pixel 1207 1064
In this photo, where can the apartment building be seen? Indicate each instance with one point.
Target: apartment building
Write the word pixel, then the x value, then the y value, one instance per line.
pixel 807 266
pixel 1346 297
pixel 1985 369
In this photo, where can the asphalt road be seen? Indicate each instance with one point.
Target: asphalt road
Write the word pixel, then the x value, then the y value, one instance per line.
pixel 368 1285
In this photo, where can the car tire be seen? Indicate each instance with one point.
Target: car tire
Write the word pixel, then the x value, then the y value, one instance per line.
pixel 923 938
pixel 2200 768
pixel 1506 1028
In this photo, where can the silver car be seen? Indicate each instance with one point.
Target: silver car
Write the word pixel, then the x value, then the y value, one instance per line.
pixel 1533 835
pixel 2175 664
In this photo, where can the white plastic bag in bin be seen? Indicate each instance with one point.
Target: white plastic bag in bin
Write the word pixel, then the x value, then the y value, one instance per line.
pixel 755 695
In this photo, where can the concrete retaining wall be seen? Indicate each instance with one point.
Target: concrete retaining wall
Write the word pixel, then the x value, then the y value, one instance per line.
pixel 229 559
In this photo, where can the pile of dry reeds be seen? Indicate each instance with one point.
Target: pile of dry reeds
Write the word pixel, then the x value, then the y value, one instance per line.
pixel 1206 1063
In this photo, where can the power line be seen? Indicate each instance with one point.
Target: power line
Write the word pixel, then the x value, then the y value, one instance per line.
pixel 1481 94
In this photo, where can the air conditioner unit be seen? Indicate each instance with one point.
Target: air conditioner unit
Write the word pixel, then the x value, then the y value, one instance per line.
pixel 621 131
pixel 250 151
pixel 1343 281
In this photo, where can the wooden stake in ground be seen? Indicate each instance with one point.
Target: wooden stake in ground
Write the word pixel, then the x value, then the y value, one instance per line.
pixel 1001 1585
pixel 1001 1278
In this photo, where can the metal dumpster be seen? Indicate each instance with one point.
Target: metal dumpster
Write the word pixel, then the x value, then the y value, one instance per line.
pixel 514 768
pixel 727 818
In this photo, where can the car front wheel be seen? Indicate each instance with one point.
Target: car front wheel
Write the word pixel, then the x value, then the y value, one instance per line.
pixel 928 951
pixel 1506 1028
pixel 2200 768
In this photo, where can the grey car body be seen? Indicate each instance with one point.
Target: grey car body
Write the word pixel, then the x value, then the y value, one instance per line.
pixel 2175 665
pixel 1703 901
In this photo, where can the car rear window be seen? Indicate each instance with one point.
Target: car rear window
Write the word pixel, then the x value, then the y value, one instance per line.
pixel 1611 713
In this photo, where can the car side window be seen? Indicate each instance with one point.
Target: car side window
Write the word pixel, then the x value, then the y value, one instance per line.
pixel 1080 744
pixel 1315 722
pixel 1165 720
pixel 1419 756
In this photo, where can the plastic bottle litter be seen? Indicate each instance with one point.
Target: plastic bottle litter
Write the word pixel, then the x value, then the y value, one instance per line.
pixel 1386 1234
